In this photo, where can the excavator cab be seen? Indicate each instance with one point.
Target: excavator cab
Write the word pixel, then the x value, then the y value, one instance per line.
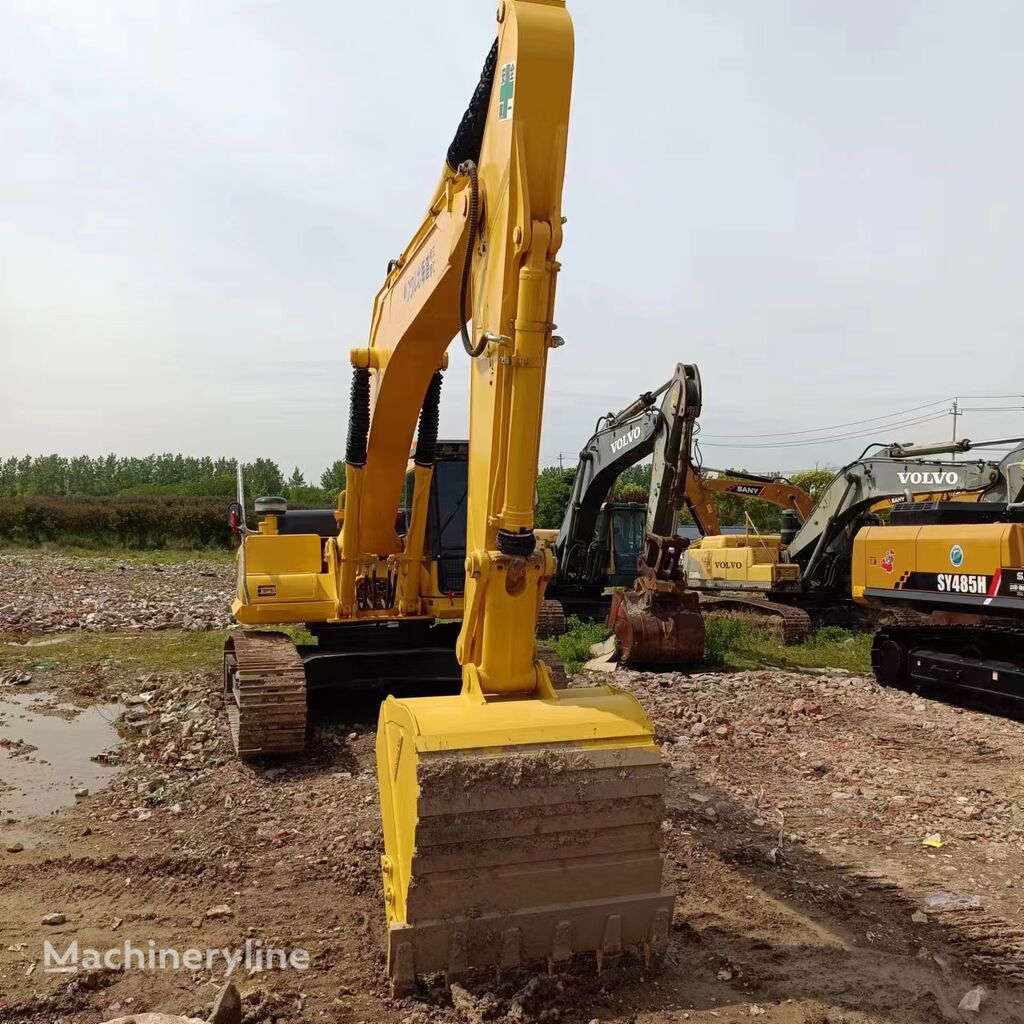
pixel 620 526
pixel 445 543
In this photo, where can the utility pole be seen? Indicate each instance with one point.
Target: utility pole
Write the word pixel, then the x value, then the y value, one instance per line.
pixel 954 412
pixel 561 468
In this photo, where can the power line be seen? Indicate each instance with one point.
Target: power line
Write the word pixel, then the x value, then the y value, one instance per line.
pixel 836 426
pixel 877 419
pixel 828 440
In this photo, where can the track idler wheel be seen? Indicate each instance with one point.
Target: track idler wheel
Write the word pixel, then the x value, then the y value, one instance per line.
pixel 657 627
pixel 889 661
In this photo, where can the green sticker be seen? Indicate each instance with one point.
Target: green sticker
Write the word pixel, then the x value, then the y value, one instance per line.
pixel 506 90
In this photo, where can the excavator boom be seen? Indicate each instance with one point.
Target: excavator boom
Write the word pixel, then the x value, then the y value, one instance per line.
pixel 520 822
pixel 701 487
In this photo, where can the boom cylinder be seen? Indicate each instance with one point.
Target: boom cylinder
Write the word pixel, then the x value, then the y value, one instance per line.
pixel 423 472
pixel 355 460
pixel 532 328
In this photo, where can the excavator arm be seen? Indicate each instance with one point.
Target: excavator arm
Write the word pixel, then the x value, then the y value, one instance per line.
pixel 864 484
pixel 701 487
pixel 519 822
pixel 658 620
pixel 621 440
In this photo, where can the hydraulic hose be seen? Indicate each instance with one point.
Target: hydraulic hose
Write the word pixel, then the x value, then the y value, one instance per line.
pixel 463 153
pixel 426 436
pixel 469 135
pixel 469 168
pixel 358 418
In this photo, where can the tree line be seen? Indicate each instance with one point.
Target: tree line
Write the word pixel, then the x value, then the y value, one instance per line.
pixel 171 475
pixel 554 488
pixel 166 475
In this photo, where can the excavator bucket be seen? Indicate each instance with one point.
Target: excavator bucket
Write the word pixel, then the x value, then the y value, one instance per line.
pixel 654 627
pixel 520 830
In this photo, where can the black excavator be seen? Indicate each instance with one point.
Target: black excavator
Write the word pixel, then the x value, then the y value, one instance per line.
pixel 603 545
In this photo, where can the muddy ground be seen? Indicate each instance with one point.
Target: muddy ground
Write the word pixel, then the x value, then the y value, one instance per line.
pixel 793 838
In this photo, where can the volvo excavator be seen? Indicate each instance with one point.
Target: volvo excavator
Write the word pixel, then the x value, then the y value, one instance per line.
pixel 520 822
pixel 601 543
pixel 803 575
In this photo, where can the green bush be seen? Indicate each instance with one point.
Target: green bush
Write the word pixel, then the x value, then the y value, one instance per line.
pixel 721 636
pixel 831 635
pixel 142 522
pixel 573 647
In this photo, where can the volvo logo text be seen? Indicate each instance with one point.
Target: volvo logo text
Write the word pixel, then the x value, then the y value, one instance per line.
pixel 620 442
pixel 949 478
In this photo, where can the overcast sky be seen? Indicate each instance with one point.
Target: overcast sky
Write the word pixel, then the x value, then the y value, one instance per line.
pixel 820 203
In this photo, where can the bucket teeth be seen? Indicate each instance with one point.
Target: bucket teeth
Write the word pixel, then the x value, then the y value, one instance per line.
pixel 561 947
pixel 657 941
pixel 533 854
pixel 458 956
pixel 510 955
pixel 611 944
pixel 403 969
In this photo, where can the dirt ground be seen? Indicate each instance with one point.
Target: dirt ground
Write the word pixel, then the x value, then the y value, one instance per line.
pixel 793 839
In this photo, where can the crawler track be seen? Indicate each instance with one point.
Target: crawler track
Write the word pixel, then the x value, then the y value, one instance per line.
pixel 265 693
pixel 979 666
pixel 551 618
pixel 790 625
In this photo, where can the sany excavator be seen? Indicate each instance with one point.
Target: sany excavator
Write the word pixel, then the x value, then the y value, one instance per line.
pixel 602 544
pixel 520 822
pixel 704 483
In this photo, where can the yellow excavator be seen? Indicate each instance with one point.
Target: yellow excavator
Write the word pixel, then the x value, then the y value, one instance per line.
pixel 520 822
pixel 958 569
pixel 748 560
pixel 801 576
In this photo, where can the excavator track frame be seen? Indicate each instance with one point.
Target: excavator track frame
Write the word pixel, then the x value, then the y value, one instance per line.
pixel 265 694
pixel 551 618
pixel 787 623
pixel 980 666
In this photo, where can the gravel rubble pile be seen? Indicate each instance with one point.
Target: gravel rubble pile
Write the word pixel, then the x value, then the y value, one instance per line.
pixel 844 753
pixel 50 593
pixel 839 851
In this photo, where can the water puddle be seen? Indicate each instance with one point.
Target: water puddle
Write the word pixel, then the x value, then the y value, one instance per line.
pixel 37 782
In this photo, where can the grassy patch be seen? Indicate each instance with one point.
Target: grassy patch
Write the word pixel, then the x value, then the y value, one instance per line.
pixel 171 650
pixel 119 556
pixel 721 637
pixel 738 645
pixel 573 647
